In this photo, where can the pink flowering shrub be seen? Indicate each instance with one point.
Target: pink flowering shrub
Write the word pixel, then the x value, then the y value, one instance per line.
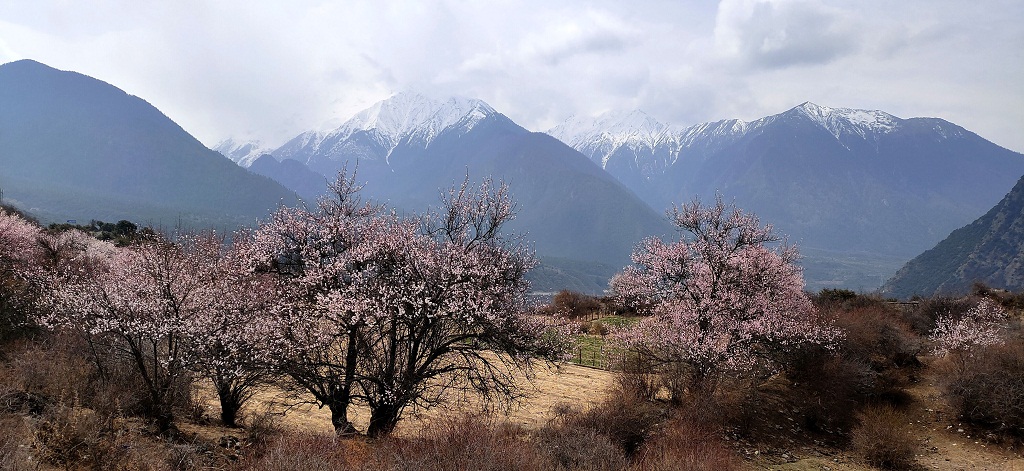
pixel 722 299
pixel 979 326
pixel 19 254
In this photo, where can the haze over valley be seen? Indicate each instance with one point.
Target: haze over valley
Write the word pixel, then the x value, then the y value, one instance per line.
pixel 862 138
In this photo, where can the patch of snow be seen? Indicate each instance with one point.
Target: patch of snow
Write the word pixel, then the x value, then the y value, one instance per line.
pixel 599 137
pixel 410 114
pixel 846 121
pixel 243 153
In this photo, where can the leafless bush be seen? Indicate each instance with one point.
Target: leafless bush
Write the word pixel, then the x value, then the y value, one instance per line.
pixel 569 447
pixel 262 427
pixel 828 389
pixel 15 441
pixel 626 421
pixel 460 443
pixel 989 390
pixel 636 378
pixel 574 305
pixel 287 452
pixel 686 445
pixel 922 319
pixel 74 437
pixel 883 438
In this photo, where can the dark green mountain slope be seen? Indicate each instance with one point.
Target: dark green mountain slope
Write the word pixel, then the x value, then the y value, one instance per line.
pixel 989 250
pixel 73 147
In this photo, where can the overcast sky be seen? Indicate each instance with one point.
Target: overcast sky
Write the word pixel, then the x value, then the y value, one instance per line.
pixel 270 70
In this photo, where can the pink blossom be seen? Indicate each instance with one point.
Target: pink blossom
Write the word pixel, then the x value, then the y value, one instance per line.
pixel 980 326
pixel 725 297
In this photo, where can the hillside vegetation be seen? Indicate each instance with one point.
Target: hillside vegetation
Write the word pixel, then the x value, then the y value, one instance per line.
pixel 835 379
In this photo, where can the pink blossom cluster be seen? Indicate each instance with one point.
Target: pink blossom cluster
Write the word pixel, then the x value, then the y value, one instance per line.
pixel 721 298
pixel 979 326
pixel 19 243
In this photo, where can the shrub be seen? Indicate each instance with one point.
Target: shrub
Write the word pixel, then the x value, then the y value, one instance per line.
pixel 878 338
pixel 828 389
pixel 572 447
pixel 459 443
pixel 262 427
pixel 71 437
pixel 686 445
pixel 883 438
pixel 14 438
pixel 637 379
pixel 574 305
pixel 625 420
pixel 54 369
pixel 922 320
pixel 596 328
pixel 301 451
pixel 989 389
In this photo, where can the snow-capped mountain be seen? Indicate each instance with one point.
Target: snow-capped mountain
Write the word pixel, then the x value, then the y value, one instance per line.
pixel 612 130
pixel 847 122
pixel 656 146
pixel 406 149
pixel 374 133
pixel 243 153
pixel 835 179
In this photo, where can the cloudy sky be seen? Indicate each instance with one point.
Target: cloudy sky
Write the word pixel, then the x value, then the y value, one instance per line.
pixel 270 70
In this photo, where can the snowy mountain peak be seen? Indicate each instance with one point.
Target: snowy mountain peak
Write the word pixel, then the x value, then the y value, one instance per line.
pixel 840 121
pixel 243 153
pixel 614 128
pixel 411 114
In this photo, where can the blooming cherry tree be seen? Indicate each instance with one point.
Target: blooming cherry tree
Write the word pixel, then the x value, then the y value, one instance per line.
pixel 227 331
pixel 140 305
pixel 448 310
pixel 394 312
pixel 978 327
pixel 328 259
pixel 726 297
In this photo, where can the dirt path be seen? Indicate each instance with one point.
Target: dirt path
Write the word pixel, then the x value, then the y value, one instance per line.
pixel 946 444
pixel 943 443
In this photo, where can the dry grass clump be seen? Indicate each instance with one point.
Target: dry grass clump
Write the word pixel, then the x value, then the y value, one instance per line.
pixel 458 443
pixel 686 445
pixel 883 438
pixel 15 438
pixel 989 389
pixel 293 451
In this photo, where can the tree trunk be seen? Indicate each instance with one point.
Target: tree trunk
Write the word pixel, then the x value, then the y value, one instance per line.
pixel 339 418
pixel 383 420
pixel 229 404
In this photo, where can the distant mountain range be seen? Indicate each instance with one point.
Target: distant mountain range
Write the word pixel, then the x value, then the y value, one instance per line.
pixel 859 191
pixel 582 222
pixel 989 250
pixel 75 148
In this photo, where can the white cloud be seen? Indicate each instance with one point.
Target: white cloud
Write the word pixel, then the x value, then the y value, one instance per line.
pixel 773 33
pixel 272 70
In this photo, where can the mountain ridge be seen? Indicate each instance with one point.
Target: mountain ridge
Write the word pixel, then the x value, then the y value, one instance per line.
pixel 989 250
pixel 69 142
pixel 828 177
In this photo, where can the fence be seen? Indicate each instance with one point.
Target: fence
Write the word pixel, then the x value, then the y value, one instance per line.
pixel 592 358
